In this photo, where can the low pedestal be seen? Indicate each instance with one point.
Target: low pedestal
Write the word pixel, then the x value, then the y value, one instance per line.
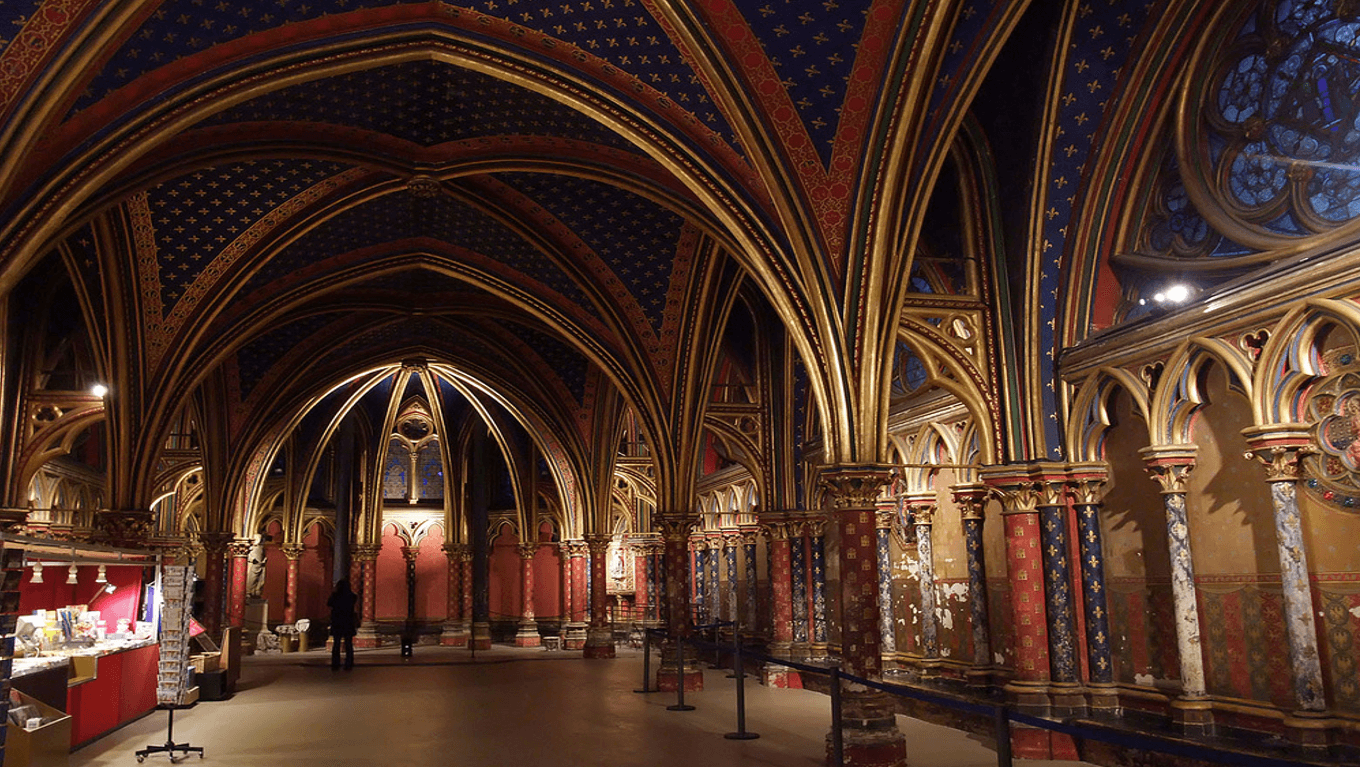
pixel 781 677
pixel 574 636
pixel 454 636
pixel 1310 731
pixel 527 636
pixel 869 733
pixel 481 636
pixel 1192 716
pixel 599 642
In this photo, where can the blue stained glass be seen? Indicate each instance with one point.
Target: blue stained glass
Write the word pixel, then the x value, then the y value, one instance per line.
pixel 395 484
pixel 431 467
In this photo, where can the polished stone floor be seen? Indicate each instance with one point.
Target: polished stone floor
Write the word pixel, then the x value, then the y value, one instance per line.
pixel 508 707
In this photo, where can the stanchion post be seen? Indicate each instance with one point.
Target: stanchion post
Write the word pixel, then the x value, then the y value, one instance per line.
pixel 1003 737
pixel 646 661
pixel 741 733
pixel 679 678
pixel 837 735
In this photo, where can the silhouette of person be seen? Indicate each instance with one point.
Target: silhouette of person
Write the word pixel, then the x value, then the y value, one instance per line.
pixel 343 623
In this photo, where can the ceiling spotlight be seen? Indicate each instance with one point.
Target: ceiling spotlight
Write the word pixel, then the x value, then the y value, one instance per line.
pixel 1175 293
pixel 37 573
pixel 102 576
pixel 72 575
pixel 99 390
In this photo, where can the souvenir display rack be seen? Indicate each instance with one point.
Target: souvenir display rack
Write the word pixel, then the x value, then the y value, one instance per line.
pixel 172 679
pixel 11 571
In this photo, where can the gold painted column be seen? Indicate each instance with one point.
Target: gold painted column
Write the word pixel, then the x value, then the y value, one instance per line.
pixel 574 596
pixel 870 735
pixel 454 631
pixel 292 552
pixel 1170 465
pixel 527 633
pixel 675 530
pixel 599 635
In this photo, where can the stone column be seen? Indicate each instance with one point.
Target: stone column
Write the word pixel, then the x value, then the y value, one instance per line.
pixel 215 581
pixel 922 508
pixel 292 552
pixel 654 556
pixel 730 541
pixel 1278 447
pixel 675 529
pixel 798 573
pixel 817 570
pixel 527 633
pixel 573 586
pixel 1085 485
pixel 599 636
pixel 971 500
pixel 454 631
pixel 1028 687
pixel 239 551
pixel 887 619
pixel 1065 692
pixel 698 549
pixel 641 592
pixel 781 593
pixel 750 616
pixel 469 585
pixel 714 595
pixel 1170 465
pixel 365 556
pixel 869 733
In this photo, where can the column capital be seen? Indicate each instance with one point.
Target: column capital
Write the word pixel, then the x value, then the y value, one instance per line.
pixel 971 500
pixel 573 548
pixel 815 527
pixel 215 543
pixel 884 519
pixel 527 550
pixel 675 526
pixel 456 551
pixel 1170 465
pixel 749 535
pixel 855 487
pixel 922 507
pixel 240 547
pixel 597 543
pixel 365 552
pixel 1279 447
pixel 1087 481
pixel 292 551
pixel 410 554
pixel 775 530
pixel 1013 487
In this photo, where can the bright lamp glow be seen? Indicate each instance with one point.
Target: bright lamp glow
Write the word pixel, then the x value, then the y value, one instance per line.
pixel 99 390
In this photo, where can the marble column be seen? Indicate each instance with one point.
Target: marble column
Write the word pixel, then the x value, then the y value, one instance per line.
pixel 599 635
pixel 675 530
pixel 454 631
pixel 869 732
pixel 887 618
pixel 1028 687
pixel 239 550
pixel 922 508
pixel 366 557
pixel 215 581
pixel 1085 485
pixel 730 542
pixel 971 501
pixel 293 553
pixel 750 616
pixel 817 573
pixel 799 590
pixel 1170 465
pixel 527 633
pixel 1066 697
pixel 1278 448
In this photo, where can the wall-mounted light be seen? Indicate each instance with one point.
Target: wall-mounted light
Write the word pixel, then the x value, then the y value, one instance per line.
pixel 1175 293
pixel 99 390
pixel 72 575
pixel 37 573
pixel 102 576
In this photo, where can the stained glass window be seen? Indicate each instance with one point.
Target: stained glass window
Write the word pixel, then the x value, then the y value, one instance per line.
pixel 395 484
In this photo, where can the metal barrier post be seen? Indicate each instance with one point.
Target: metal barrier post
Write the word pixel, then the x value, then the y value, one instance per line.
pixel 646 662
pixel 741 733
pixel 1003 737
pixel 679 704
pixel 837 744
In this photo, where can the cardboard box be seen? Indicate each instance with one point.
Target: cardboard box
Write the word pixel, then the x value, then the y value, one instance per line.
pixel 204 662
pixel 49 745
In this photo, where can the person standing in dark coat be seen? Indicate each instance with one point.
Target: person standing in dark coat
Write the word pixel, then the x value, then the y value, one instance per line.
pixel 343 623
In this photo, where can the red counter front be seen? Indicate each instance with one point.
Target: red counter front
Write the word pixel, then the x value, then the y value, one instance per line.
pixel 123 689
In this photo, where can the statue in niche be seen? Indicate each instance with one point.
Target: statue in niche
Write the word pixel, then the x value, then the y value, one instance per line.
pixel 616 570
pixel 255 573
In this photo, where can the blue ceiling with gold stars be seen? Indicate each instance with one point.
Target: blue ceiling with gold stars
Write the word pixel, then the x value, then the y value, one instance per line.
pixel 569 365
pixel 255 358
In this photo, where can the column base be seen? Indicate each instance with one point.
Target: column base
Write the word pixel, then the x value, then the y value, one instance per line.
pixel 869 733
pixel 1103 699
pixel 481 636
pixel 1309 731
pixel 527 635
pixel 366 637
pixel 818 650
pixel 668 676
pixel 780 677
pixel 1192 716
pixel 1066 699
pixel 1028 697
pixel 453 634
pixel 573 636
pixel 599 642
pixel 978 677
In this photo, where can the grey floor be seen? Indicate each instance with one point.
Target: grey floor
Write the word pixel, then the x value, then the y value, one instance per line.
pixel 510 707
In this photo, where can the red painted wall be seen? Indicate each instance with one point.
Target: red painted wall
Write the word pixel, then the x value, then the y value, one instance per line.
pixel 391 604
pixel 314 575
pixel 505 575
pixel 547 583
pixel 54 592
pixel 275 573
pixel 432 577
